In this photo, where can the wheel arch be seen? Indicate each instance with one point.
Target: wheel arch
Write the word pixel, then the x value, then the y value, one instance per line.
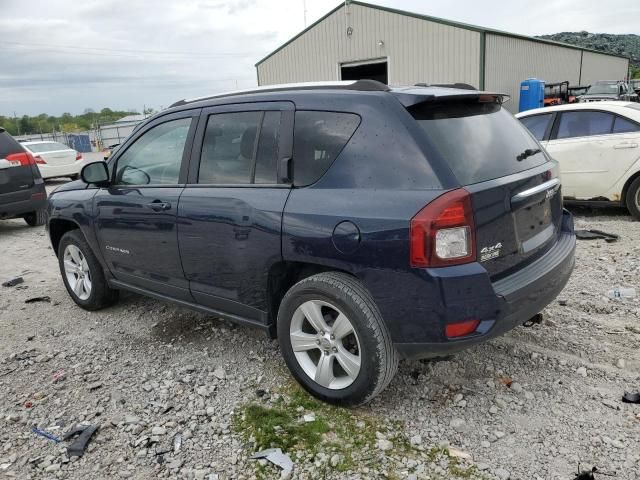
pixel 625 189
pixel 282 276
pixel 57 228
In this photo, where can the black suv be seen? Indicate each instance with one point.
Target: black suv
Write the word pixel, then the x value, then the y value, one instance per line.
pixel 22 192
pixel 609 90
pixel 357 223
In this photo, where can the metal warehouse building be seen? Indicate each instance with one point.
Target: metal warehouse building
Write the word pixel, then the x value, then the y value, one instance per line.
pixel 360 40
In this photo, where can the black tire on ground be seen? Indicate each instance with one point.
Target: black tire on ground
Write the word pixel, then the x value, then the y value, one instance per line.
pixel 101 294
pixel 37 218
pixel 633 198
pixel 378 356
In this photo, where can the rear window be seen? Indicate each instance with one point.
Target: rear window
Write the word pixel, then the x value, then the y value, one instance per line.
pixel 8 145
pixel 318 138
pixel 537 124
pixel 46 147
pixel 479 141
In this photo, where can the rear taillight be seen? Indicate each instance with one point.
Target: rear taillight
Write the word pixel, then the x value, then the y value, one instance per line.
pixel 443 232
pixel 40 160
pixel 78 156
pixel 23 159
pixel 461 329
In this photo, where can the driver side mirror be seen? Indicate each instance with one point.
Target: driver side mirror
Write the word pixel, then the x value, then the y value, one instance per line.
pixel 95 173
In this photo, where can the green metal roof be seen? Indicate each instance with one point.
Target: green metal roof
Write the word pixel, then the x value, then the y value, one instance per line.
pixel 443 21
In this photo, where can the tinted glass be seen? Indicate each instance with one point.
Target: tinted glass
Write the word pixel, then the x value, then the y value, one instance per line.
pixel 228 148
pixel 537 124
pixel 8 145
pixel 622 125
pixel 46 147
pixel 479 141
pixel 319 137
pixel 267 156
pixel 584 124
pixel 155 158
pixel 603 89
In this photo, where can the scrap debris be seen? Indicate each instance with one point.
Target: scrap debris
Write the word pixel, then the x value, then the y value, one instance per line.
pixel 44 434
pixel 13 282
pixel 84 432
pixel 38 299
pixel 596 234
pixel 631 397
pixel 275 456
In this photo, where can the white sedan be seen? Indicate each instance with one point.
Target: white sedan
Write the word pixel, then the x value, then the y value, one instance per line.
pixel 55 159
pixel 597 146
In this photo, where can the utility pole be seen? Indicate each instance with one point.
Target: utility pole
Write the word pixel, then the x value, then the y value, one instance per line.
pixel 15 117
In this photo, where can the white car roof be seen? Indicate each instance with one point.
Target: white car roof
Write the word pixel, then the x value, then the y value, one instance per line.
pixel 36 142
pixel 607 106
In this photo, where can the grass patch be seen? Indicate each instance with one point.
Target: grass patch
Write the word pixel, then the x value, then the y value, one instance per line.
pixel 348 434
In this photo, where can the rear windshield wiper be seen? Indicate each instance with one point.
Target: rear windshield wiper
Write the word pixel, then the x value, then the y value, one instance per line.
pixel 529 152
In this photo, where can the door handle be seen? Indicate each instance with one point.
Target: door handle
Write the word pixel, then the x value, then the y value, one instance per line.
pixel 625 145
pixel 159 206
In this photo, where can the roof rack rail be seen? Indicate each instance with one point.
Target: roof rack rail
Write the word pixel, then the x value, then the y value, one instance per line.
pixel 462 86
pixel 360 85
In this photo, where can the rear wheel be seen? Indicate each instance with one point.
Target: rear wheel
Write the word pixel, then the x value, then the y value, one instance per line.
pixel 82 273
pixel 633 198
pixel 334 340
pixel 37 218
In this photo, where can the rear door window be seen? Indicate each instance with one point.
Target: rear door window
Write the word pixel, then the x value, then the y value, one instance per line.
pixel 479 141
pixel 537 124
pixel 584 124
pixel 622 125
pixel 318 139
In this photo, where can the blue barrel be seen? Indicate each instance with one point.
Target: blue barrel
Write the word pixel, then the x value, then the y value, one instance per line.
pixel 531 94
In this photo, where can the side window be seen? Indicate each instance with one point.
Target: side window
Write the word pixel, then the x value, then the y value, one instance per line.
pixel 537 124
pixel 155 158
pixel 622 125
pixel 267 156
pixel 318 138
pixel 584 124
pixel 228 148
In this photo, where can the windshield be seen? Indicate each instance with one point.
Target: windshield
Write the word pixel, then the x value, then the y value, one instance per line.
pixel 479 141
pixel 46 147
pixel 603 89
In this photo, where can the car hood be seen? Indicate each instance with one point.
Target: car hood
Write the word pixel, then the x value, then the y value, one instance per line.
pixel 74 185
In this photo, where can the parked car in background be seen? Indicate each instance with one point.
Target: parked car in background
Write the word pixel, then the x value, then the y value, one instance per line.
pixel 597 146
pixel 55 159
pixel 609 90
pixel 348 219
pixel 576 91
pixel 22 193
pixel 635 85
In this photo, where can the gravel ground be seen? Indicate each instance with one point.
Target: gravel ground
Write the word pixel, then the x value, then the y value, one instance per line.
pixel 530 405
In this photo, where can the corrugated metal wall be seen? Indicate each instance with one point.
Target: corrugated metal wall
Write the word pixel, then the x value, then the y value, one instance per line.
pixel 596 66
pixel 417 50
pixel 510 60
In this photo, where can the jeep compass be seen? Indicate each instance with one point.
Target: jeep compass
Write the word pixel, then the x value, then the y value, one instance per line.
pixel 358 223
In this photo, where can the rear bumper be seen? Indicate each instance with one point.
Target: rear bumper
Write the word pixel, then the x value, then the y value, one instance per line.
pixel 51 171
pixel 517 298
pixel 36 199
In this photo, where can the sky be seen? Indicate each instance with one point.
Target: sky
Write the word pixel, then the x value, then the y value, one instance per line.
pixel 66 56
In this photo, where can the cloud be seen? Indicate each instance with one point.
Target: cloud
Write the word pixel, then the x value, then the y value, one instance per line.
pixel 68 55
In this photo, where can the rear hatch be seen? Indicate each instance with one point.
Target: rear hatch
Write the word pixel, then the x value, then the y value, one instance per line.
pixel 16 174
pixel 514 186
pixel 53 153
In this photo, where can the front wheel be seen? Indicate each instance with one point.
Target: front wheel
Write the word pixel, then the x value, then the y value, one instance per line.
pixel 82 273
pixel 633 198
pixel 334 340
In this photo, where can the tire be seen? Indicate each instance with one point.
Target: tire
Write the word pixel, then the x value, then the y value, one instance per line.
pixel 332 294
pixel 37 218
pixel 94 295
pixel 633 198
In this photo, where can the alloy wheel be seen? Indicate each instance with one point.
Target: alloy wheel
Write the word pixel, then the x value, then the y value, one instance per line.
pixel 325 344
pixel 77 272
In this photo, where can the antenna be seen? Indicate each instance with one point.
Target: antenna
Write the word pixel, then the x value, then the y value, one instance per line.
pixel 304 12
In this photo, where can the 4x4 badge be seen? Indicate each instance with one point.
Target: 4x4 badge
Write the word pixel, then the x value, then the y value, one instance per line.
pixel 487 253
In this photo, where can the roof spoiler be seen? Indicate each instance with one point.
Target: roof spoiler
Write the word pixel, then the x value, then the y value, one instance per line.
pixel 460 86
pixel 411 98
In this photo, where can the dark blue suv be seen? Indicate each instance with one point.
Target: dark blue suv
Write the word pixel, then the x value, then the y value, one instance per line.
pixel 358 223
